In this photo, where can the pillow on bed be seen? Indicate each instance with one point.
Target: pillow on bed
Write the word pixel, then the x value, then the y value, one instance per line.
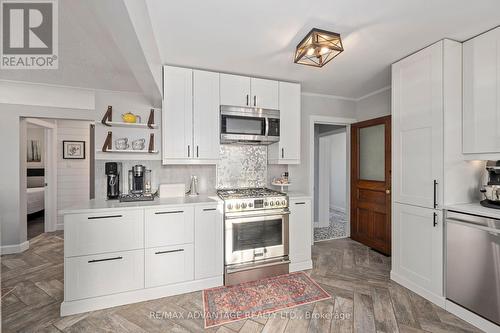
pixel 38 181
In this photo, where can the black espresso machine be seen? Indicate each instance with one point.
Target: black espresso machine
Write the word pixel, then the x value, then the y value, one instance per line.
pixel 113 171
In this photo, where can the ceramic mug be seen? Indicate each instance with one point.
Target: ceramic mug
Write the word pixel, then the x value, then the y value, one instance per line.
pixel 121 144
pixel 138 144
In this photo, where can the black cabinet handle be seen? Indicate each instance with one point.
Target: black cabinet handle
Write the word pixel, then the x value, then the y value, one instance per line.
pixel 171 251
pixel 208 209
pixel 247 99
pixel 300 203
pixel 282 152
pixel 434 223
pixel 254 100
pixel 189 151
pixel 172 212
pixel 435 193
pixel 103 217
pixel 107 259
pixel 197 151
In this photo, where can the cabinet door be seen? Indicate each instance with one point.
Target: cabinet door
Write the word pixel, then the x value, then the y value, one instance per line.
pixel 418 246
pixel 417 106
pixel 208 240
pixel 481 88
pixel 206 115
pixel 234 90
pixel 300 226
pixel 177 117
pixel 264 94
pixel 167 265
pixel 289 122
pixel 168 226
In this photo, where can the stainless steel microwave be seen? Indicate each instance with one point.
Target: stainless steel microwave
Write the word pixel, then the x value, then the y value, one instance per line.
pixel 249 125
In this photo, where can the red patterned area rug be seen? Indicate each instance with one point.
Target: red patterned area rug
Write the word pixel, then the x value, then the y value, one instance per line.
pixel 227 304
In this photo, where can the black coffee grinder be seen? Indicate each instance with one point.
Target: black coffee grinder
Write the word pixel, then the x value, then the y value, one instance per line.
pixel 113 172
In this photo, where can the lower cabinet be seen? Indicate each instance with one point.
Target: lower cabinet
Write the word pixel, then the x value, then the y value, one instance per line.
pixel 103 274
pixel 300 234
pixel 167 265
pixel 168 226
pixel 208 242
pixel 417 255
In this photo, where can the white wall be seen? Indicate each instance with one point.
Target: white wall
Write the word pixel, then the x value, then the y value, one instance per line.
pixel 374 105
pixel 338 180
pixel 73 183
pixel 315 105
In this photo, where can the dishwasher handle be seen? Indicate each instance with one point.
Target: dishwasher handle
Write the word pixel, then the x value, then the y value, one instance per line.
pixel 473 225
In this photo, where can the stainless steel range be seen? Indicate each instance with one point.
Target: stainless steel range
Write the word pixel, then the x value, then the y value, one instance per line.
pixel 256 234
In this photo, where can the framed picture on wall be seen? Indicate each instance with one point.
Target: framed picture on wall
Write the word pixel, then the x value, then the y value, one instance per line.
pixel 74 150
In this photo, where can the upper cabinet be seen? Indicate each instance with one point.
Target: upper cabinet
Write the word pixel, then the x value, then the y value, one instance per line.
pixel 190 119
pixel 264 93
pixel 417 111
pixel 481 88
pixel 287 150
pixel 248 92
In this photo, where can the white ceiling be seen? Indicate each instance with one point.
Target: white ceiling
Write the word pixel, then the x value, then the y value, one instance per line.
pixel 259 37
pixel 88 55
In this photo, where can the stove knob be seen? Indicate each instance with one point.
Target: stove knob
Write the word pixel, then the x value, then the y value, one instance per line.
pixel 265 203
pixel 283 202
pixel 250 205
pixel 272 203
pixel 243 205
pixel 237 206
pixel 229 206
pixel 277 202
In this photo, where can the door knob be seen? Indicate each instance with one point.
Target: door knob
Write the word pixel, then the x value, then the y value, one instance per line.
pixel 387 191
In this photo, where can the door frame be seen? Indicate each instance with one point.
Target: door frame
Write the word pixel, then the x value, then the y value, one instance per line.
pixel 50 158
pixel 339 121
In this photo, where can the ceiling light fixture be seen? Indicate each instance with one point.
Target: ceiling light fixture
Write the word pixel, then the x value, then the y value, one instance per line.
pixel 318 47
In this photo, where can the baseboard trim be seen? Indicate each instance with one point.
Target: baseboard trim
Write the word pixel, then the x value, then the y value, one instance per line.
pixel 436 299
pixel 471 318
pixel 17 248
pixel 300 266
pixel 135 296
pixel 60 226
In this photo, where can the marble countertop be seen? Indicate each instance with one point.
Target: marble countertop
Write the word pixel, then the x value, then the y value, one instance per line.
pixel 475 209
pixel 92 206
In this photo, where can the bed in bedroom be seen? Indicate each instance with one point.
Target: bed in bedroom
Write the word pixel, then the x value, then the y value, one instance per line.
pixel 35 192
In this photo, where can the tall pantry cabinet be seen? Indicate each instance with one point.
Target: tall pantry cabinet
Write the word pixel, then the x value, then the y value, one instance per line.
pixel 427 162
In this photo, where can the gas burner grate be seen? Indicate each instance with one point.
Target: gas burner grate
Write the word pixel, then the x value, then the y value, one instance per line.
pixel 248 193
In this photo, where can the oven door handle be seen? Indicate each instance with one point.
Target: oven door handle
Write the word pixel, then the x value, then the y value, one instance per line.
pixel 234 270
pixel 255 217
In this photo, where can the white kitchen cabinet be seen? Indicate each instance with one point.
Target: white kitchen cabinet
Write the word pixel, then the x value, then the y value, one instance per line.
pixel 208 240
pixel 103 274
pixel 417 107
pixel 168 265
pixel 205 115
pixel 190 117
pixel 481 88
pixel 244 91
pixel 168 226
pixel 417 235
pixel 103 232
pixel 300 234
pixel 287 150
pixel 234 90
pixel 177 117
pixel 265 93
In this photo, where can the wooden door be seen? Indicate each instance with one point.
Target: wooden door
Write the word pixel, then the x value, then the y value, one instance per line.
pixel 371 183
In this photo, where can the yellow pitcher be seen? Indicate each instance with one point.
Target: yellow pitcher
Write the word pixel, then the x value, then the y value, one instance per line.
pixel 129 117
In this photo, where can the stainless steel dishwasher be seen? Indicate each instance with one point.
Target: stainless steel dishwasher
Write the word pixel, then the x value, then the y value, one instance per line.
pixel 473 263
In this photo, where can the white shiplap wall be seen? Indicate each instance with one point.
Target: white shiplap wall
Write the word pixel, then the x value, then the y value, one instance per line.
pixel 73 185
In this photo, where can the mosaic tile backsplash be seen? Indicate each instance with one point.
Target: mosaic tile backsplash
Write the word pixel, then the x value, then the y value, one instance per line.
pixel 242 166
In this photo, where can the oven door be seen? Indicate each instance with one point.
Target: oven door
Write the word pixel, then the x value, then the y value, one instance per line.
pixel 255 238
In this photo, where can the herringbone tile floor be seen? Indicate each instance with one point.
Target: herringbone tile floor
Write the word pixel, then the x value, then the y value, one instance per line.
pixel 363 299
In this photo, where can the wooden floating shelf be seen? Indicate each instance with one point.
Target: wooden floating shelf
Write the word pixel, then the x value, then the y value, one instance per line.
pixel 129 151
pixel 130 125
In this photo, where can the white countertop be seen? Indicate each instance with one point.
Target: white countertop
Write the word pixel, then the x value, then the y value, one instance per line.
pixel 475 209
pixel 92 206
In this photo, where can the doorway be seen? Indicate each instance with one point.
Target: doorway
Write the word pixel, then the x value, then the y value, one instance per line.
pixel 38 161
pixel 371 183
pixel 330 182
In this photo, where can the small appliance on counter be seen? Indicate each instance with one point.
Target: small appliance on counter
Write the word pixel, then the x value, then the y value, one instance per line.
pixel 139 185
pixel 491 191
pixel 193 188
pixel 113 172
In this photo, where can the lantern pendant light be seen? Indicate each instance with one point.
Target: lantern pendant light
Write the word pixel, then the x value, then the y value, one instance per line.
pixel 318 47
